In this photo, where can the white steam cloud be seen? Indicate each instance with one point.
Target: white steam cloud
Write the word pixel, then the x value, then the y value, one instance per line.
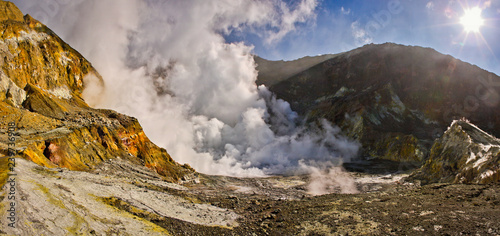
pixel 329 180
pixel 167 63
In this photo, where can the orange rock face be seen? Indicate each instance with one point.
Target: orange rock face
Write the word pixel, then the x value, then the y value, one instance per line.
pixel 41 82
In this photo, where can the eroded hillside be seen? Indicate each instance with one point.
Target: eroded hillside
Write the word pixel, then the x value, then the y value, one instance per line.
pixel 394 99
pixel 41 84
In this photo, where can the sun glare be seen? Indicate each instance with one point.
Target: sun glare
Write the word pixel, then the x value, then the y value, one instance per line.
pixel 472 20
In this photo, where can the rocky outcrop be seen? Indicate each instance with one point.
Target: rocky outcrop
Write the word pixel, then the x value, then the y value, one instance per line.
pixel 32 54
pixel 394 99
pixel 464 154
pixel 9 11
pixel 41 85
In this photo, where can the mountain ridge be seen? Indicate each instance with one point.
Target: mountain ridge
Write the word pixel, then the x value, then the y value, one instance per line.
pixel 272 72
pixel 394 99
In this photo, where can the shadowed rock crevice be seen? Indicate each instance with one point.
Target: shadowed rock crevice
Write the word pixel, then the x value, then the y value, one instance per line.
pixel 47 152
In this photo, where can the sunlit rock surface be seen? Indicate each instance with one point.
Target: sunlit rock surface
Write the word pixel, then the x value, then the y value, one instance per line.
pixel 9 11
pixel 465 154
pixel 41 85
pixel 104 201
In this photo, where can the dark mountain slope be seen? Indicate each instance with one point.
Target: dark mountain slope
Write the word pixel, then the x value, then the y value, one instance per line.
pixel 394 99
pixel 272 72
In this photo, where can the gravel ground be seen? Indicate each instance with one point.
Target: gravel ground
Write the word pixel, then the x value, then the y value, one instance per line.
pixel 120 198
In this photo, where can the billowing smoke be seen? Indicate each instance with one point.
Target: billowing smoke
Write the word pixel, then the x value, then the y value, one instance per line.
pixel 168 64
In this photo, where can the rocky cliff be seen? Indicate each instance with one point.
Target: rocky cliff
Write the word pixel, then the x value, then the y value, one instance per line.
pixel 41 84
pixel 464 154
pixel 394 99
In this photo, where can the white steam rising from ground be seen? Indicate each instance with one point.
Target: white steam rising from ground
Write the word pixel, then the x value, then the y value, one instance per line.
pixel 329 180
pixel 167 63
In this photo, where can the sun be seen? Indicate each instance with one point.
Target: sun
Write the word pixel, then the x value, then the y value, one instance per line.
pixel 472 20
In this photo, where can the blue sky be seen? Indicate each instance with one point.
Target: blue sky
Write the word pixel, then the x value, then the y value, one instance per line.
pixel 342 25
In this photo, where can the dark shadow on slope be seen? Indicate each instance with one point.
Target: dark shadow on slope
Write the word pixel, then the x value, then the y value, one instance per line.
pixel 380 166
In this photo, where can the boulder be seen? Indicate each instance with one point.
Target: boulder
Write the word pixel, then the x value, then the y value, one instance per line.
pixel 464 154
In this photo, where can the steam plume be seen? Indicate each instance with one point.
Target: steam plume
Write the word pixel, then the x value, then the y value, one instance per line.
pixel 168 64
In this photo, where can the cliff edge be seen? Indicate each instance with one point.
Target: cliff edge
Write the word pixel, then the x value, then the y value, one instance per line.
pixel 41 83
